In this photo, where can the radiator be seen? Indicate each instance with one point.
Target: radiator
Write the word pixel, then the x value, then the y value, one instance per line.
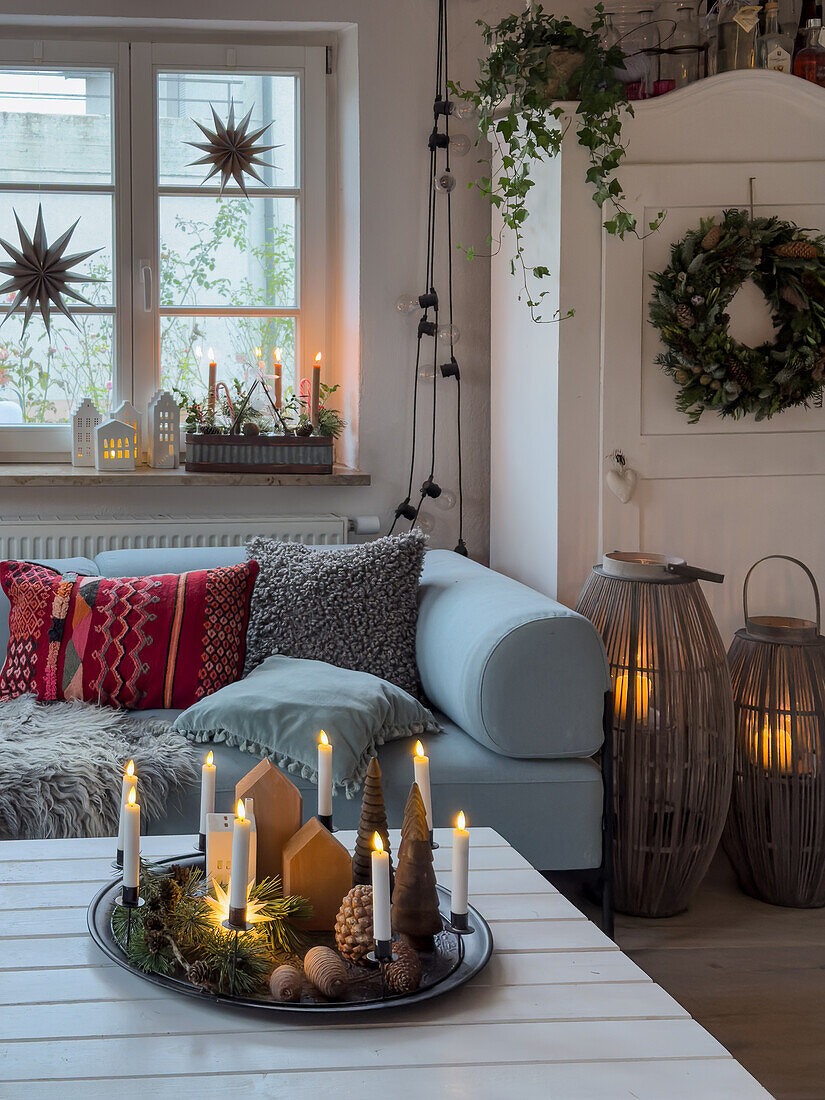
pixel 33 538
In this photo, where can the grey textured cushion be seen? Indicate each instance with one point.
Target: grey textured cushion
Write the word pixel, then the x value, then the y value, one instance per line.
pixel 357 608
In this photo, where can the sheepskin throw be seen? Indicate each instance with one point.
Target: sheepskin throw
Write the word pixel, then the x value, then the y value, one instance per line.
pixel 356 607
pixel 61 766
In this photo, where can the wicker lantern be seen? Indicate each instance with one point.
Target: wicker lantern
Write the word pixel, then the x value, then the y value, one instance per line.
pixel 775 833
pixel 672 726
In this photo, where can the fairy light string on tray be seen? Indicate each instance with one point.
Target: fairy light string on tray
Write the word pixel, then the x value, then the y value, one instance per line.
pixel 439 184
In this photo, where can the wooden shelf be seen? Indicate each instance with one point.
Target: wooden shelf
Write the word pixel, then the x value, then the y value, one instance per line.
pixel 44 475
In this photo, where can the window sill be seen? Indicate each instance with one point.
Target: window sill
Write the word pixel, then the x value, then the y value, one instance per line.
pixel 42 475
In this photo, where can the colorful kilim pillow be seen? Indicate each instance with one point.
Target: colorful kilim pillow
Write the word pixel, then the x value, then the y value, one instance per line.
pixel 133 642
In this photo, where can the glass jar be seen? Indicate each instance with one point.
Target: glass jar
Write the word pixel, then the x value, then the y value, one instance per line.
pixel 680 61
pixel 736 35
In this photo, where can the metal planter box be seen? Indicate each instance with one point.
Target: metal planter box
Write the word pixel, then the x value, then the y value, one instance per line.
pixel 259 454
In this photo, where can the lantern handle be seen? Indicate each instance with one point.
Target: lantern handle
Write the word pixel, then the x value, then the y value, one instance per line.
pixel 782 557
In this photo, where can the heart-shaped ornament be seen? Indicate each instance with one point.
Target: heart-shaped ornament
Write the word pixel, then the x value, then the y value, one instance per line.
pixel 622 483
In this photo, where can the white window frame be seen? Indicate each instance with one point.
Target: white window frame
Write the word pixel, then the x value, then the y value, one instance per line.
pixel 136 209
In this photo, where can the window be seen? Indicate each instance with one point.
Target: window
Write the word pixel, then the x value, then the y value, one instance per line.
pixel 99 132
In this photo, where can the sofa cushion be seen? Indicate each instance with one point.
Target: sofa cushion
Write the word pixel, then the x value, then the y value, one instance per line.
pixel 278 709
pixel 166 559
pixel 133 642
pixel 63 565
pixel 521 673
pixel 356 608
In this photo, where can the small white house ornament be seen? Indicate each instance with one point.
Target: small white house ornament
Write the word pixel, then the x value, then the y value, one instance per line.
pixel 127 412
pixel 163 431
pixel 86 418
pixel 115 445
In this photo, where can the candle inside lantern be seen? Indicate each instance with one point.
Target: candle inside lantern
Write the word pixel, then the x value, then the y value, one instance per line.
pixel 239 871
pixel 129 784
pixel 772 749
pixel 131 848
pixel 461 867
pixel 381 918
pixel 324 777
pixel 208 774
pixel 213 381
pixel 421 765
pixel 315 397
pixel 621 694
pixel 278 370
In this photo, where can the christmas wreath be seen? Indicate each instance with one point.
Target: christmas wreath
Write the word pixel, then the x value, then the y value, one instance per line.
pixel 707 267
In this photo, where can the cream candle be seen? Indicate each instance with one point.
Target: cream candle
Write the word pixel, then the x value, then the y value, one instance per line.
pixel 208 775
pixel 422 778
pixel 381 921
pixel 129 783
pixel 461 868
pixel 315 394
pixel 324 780
pixel 239 871
pixel 131 849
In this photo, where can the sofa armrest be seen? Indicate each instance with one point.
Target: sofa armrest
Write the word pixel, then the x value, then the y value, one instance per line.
pixel 519 672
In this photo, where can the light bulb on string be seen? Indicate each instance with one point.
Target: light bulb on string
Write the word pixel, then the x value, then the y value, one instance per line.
pixel 426 373
pixel 463 109
pixel 446 500
pixel 460 145
pixel 444 182
pixel 449 334
pixel 426 522
pixel 406 304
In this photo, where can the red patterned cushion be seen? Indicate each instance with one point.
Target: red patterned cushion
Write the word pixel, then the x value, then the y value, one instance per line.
pixel 135 642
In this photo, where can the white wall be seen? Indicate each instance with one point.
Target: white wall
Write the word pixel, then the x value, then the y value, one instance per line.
pixel 389 46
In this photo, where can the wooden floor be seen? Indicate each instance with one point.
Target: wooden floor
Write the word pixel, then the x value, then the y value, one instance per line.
pixel 752 974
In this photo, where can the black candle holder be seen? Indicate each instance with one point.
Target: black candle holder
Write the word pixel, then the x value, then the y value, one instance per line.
pixel 129 899
pixel 201 842
pixel 433 842
pixel 326 821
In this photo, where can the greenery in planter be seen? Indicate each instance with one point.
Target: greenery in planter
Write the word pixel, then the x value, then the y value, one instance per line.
pixel 536 59
pixel 293 418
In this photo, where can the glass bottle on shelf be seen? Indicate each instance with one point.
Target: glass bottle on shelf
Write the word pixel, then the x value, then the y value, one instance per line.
pixel 774 49
pixel 680 62
pixel 810 10
pixel 624 29
pixel 809 62
pixel 736 34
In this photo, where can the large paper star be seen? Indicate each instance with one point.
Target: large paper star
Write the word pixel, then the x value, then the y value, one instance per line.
pixel 231 150
pixel 40 272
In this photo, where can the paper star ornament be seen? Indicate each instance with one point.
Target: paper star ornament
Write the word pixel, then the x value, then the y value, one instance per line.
pixel 40 273
pixel 232 149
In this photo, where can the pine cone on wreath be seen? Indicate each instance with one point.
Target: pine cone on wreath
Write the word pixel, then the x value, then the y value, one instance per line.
pixel 712 238
pixel 168 892
pixel 792 296
pixel 353 925
pixel 684 315
pixel 797 250
pixel 739 374
pixel 179 874
pixel 155 940
pixel 199 973
pixel 403 975
pixel 154 921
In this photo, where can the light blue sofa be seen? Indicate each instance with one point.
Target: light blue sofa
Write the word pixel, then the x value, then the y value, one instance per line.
pixel 517 680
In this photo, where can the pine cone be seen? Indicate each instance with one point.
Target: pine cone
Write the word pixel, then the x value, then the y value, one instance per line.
pixel 153 921
pixel 792 296
pixel 251 428
pixel 712 238
pixel 168 892
pixel 199 973
pixel 304 430
pixel 403 975
pixel 155 940
pixel 179 874
pixel 739 374
pixel 353 925
pixel 684 315
pixel 797 250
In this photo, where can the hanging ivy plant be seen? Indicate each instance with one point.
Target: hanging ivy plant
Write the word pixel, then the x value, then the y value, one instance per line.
pixel 535 60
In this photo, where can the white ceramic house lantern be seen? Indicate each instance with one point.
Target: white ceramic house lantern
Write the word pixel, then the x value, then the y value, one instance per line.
pixel 127 412
pixel 85 420
pixel 115 446
pixel 163 431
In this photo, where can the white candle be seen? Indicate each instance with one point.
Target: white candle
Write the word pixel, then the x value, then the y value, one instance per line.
pixel 208 773
pixel 381 926
pixel 422 778
pixel 239 871
pixel 324 776
pixel 131 842
pixel 461 867
pixel 129 784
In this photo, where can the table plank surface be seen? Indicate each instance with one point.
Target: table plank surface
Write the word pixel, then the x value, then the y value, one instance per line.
pixel 558 1012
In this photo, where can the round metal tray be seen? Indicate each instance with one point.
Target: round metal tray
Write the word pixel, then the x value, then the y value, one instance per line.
pixel 458 958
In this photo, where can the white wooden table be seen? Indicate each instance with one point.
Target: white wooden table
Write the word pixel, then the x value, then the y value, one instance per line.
pixel 559 1011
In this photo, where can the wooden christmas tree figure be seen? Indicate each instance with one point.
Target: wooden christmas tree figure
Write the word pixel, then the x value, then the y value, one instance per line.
pixel 415 911
pixel 373 820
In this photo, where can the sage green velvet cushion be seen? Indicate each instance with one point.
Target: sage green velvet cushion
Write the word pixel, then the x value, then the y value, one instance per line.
pixel 279 708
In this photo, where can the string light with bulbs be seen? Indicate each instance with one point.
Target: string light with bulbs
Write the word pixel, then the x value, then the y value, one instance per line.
pixel 444 336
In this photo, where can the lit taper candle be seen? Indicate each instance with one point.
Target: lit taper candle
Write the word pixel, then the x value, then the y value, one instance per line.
pixel 422 778
pixel 324 780
pixel 461 868
pixel 131 849
pixel 239 871
pixel 277 370
pixel 315 394
pixel 208 773
pixel 129 784
pixel 381 918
